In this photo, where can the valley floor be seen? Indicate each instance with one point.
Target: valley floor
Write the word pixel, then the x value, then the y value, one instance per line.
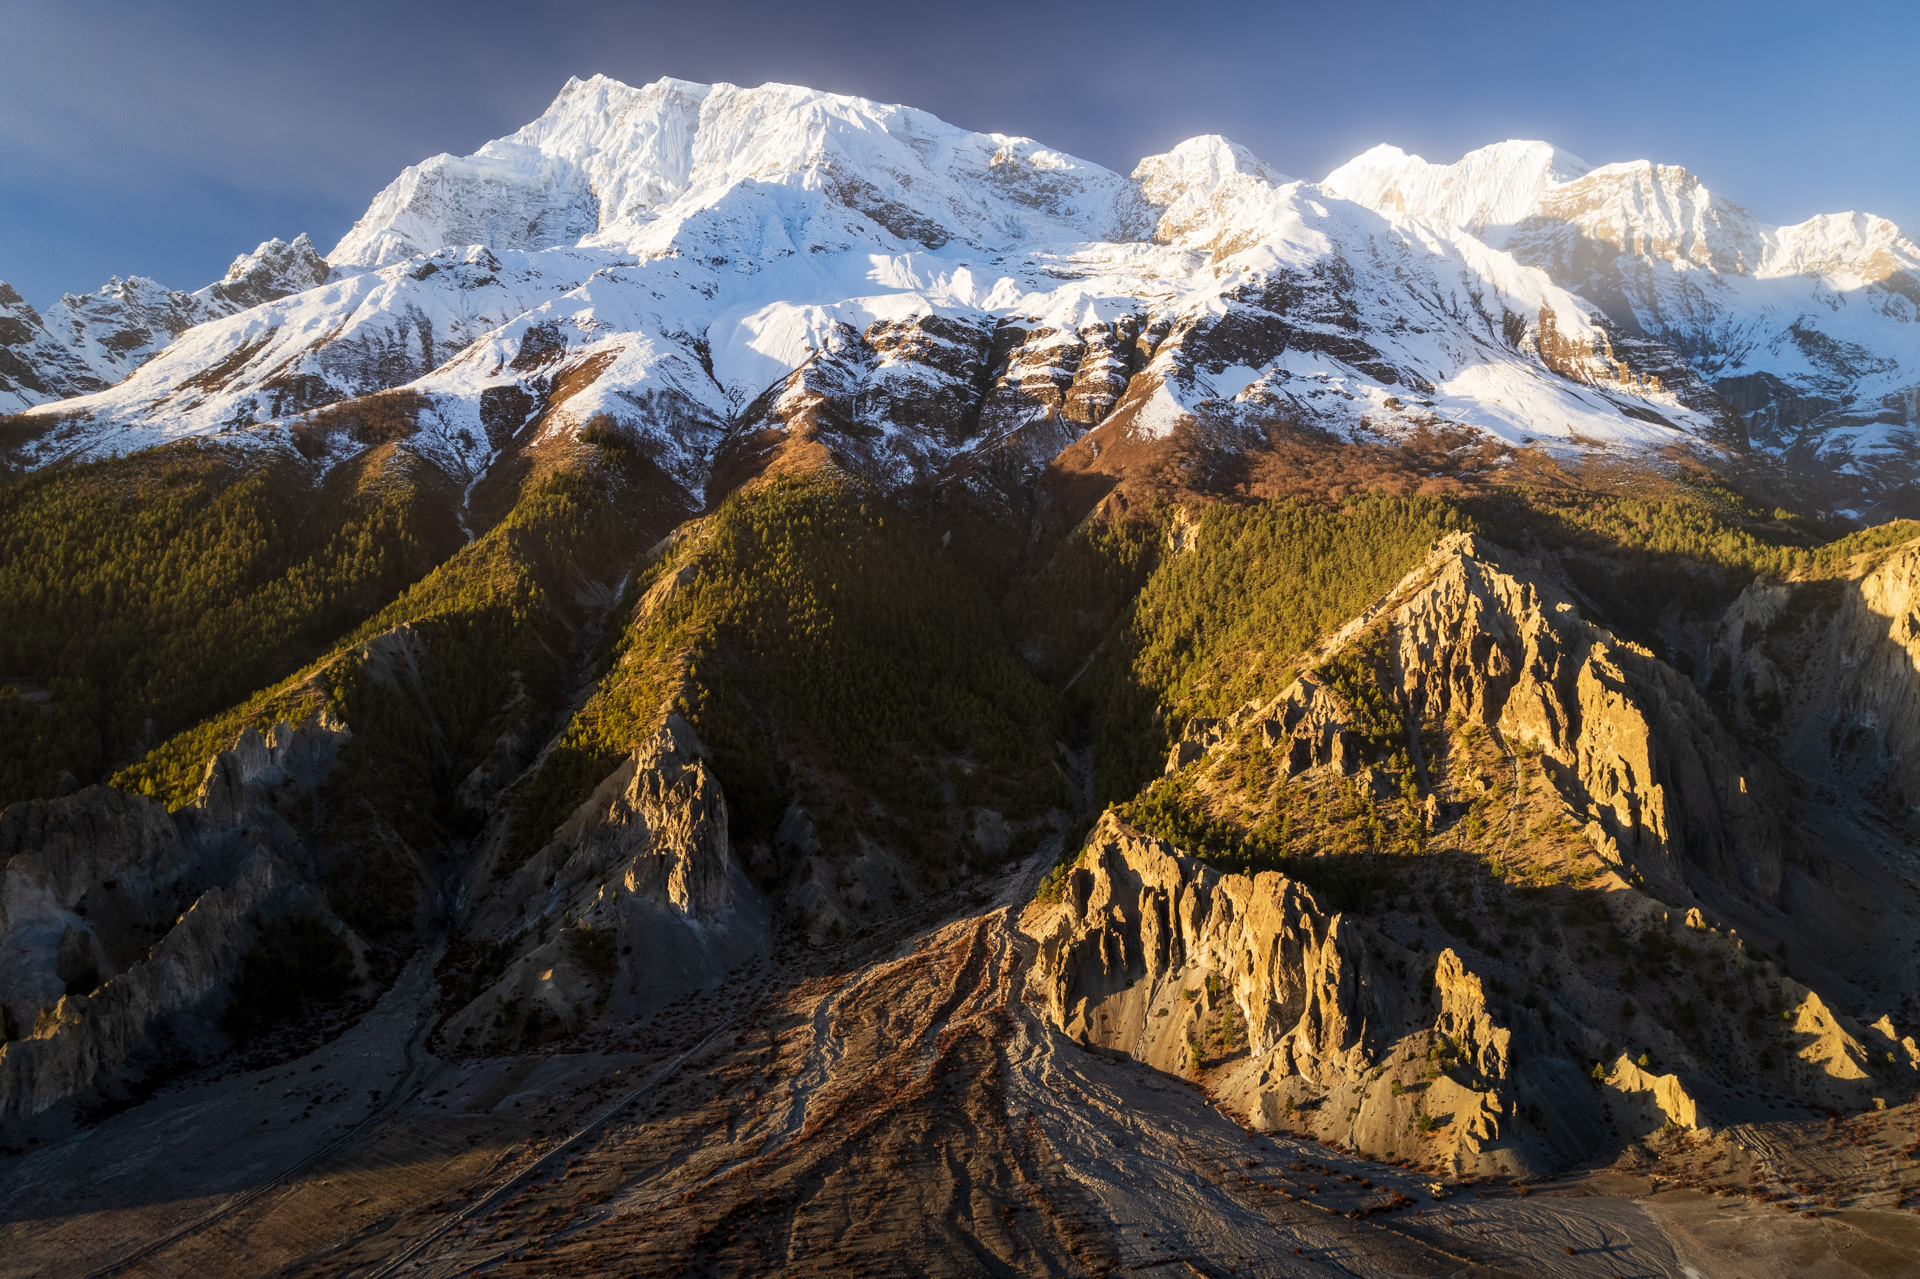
pixel 894 1108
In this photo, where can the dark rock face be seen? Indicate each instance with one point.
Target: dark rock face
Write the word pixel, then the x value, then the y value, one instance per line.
pixel 36 364
pixel 124 926
pixel 908 401
pixel 660 904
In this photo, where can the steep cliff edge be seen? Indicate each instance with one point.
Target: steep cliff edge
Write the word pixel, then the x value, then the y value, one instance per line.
pixel 652 904
pixel 123 927
pixel 1305 1018
pixel 1827 667
pixel 1331 1024
pixel 1637 749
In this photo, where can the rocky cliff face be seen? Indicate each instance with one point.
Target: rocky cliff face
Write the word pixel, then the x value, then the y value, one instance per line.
pixel 1315 1021
pixel 1642 754
pixel 35 364
pixel 1481 636
pixel 1828 667
pixel 1304 1017
pixel 123 926
pixel 636 900
pixel 1440 1043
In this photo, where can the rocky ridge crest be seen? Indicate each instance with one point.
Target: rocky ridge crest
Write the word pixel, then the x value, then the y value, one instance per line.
pixel 1370 1031
pixel 655 904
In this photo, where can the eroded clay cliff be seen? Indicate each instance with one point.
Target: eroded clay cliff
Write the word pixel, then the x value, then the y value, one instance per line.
pixel 1316 1021
pixel 635 900
pixel 1328 1023
pixel 1495 1049
pixel 123 926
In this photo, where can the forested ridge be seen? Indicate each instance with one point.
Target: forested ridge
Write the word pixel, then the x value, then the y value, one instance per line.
pixel 483 643
pixel 139 594
pixel 828 651
pixel 1229 612
pixel 490 615
pixel 1175 613
pixel 806 619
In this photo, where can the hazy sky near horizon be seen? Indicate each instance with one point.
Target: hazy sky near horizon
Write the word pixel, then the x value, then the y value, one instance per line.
pixel 162 138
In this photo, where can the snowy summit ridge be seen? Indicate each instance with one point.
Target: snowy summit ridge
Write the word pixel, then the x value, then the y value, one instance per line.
pixel 700 265
pixel 605 161
pixel 1809 331
pixel 1488 191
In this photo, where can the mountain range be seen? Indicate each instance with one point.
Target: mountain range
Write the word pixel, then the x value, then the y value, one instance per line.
pixel 747 681
pixel 704 248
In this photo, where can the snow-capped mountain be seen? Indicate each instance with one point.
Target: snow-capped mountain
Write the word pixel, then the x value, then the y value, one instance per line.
pixel 606 161
pixel 93 340
pixel 721 272
pixel 1811 331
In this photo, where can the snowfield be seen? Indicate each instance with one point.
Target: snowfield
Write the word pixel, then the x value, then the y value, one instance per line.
pixel 663 258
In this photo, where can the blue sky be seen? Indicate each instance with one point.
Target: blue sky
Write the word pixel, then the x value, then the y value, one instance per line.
pixel 162 138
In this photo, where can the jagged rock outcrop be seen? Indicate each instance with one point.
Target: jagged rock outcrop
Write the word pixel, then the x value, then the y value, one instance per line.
pixel 1797 1044
pixel 1319 1021
pixel 259 765
pixel 1830 1061
pixel 123 926
pixel 60 855
pixel 1477 643
pixel 1323 1022
pixel 1484 636
pixel 274 270
pixel 635 900
pixel 162 1010
pixel 1643 753
pixel 1830 666
pixel 1646 1100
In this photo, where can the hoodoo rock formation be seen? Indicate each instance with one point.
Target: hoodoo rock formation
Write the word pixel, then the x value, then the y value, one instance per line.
pixel 1325 1024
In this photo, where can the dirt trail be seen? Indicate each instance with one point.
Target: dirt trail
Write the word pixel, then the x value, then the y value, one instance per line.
pixel 904 1111
pixel 932 1124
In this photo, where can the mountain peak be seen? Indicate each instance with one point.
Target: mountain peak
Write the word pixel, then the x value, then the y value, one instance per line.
pixel 273 270
pixel 1197 185
pixel 1485 191
pixel 606 160
pixel 1201 163
pixel 713 240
